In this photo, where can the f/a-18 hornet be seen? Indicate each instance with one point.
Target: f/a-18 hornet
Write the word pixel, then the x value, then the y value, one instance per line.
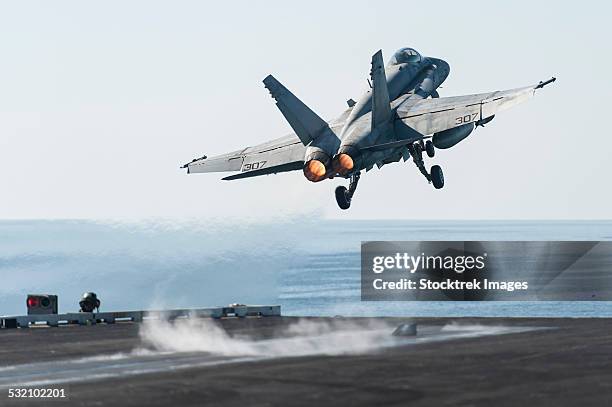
pixel 399 117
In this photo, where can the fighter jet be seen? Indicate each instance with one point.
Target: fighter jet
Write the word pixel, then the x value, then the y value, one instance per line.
pixel 398 118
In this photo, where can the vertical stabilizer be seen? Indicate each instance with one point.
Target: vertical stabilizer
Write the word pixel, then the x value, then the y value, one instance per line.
pixel 381 105
pixel 306 123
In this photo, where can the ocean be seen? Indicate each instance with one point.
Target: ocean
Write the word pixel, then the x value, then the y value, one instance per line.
pixel 309 267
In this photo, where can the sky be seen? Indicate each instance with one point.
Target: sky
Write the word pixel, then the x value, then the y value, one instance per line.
pixel 101 102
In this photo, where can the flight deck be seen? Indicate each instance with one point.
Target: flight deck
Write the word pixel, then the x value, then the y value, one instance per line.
pixel 315 361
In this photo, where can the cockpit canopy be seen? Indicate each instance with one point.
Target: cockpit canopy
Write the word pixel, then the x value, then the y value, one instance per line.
pixel 405 56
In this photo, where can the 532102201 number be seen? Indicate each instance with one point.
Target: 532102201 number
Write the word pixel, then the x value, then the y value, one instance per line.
pixel 36 393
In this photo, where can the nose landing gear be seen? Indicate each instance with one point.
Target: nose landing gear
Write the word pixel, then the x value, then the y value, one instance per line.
pixel 344 195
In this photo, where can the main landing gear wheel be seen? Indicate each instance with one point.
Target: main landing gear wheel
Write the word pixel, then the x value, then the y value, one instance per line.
pixel 344 195
pixel 437 177
pixel 430 149
pixel 344 202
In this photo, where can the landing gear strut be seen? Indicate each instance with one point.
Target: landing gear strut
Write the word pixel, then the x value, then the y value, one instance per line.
pixel 436 177
pixel 343 195
pixel 430 149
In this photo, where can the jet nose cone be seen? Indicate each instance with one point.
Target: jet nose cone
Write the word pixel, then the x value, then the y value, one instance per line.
pixel 343 164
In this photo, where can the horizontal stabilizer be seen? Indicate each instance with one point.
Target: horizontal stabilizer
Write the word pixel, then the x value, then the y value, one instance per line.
pixel 306 123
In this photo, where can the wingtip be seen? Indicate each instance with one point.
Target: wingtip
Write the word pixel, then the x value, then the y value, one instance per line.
pixel 204 157
pixel 544 83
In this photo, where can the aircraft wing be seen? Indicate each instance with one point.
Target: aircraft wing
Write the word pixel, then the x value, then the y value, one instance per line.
pixel 428 116
pixel 280 155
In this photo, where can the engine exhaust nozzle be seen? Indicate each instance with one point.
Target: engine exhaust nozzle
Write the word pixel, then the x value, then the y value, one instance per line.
pixel 314 170
pixel 343 164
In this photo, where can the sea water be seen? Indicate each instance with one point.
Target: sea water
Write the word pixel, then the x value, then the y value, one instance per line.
pixel 309 267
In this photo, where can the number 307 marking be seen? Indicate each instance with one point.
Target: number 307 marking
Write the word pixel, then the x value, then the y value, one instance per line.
pixel 253 166
pixel 466 119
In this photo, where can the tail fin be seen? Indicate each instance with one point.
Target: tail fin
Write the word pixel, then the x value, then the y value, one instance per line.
pixel 306 123
pixel 381 105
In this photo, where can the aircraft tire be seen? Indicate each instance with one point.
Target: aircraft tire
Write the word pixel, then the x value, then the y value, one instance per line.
pixel 430 149
pixel 437 177
pixel 344 202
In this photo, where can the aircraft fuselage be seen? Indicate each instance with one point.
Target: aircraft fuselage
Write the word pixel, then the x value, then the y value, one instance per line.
pixel 414 80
